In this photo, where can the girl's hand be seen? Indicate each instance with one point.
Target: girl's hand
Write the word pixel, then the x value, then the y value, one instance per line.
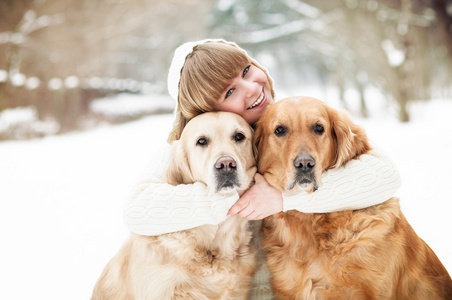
pixel 259 201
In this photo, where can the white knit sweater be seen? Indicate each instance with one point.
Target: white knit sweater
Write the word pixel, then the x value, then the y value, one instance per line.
pixel 156 207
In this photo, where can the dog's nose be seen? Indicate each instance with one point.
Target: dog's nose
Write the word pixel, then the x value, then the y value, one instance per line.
pixel 304 162
pixel 225 165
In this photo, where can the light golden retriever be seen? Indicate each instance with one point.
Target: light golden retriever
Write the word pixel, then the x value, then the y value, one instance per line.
pixel 372 253
pixel 206 262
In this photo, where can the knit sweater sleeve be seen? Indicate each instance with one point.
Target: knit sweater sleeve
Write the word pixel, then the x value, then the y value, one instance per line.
pixel 369 180
pixel 156 207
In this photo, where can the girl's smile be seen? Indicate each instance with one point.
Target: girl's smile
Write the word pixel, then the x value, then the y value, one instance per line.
pixel 260 101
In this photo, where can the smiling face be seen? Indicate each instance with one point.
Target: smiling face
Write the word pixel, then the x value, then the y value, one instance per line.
pixel 216 149
pixel 248 94
pixel 213 71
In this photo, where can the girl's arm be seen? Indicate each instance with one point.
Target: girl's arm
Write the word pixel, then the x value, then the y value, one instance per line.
pixel 156 207
pixel 369 180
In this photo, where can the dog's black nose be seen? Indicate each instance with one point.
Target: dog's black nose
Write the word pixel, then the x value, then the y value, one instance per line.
pixel 225 165
pixel 304 162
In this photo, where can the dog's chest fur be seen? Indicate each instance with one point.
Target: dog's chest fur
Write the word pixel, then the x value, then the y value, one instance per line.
pixel 327 248
pixel 206 262
pixel 204 246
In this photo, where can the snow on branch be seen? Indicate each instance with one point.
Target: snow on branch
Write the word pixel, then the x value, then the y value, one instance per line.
pixel 303 8
pixel 320 24
pixel 30 23
pixel 268 34
pixel 424 20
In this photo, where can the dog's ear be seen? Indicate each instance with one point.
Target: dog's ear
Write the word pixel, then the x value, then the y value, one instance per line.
pixel 256 138
pixel 351 140
pixel 259 136
pixel 178 171
pixel 261 140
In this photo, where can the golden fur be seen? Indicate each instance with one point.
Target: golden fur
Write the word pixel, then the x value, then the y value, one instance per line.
pixel 206 262
pixel 372 253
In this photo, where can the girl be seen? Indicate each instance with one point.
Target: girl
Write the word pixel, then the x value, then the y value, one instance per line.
pixel 216 75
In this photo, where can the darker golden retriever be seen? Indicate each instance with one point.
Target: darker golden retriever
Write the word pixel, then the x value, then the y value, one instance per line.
pixel 206 262
pixel 371 253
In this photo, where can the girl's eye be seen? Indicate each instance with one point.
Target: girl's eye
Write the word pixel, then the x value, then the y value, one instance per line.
pixel 201 142
pixel 229 93
pixel 239 137
pixel 246 70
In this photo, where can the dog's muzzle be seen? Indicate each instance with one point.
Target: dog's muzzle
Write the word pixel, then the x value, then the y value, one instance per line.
pixel 304 163
pixel 226 173
pixel 304 172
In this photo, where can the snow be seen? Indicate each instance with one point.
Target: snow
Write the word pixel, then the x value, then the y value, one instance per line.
pixel 62 196
pixel 396 57
pixel 32 83
pixel 55 84
pixel 71 82
pixel 18 79
pixel 23 123
pixel 125 105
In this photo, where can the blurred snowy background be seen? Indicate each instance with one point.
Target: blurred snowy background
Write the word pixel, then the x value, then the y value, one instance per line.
pixel 58 56
pixel 84 107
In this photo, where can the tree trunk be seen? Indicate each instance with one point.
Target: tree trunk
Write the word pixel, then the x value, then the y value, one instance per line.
pixel 404 115
pixel 363 108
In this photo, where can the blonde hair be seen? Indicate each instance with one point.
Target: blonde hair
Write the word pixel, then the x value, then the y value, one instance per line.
pixel 207 72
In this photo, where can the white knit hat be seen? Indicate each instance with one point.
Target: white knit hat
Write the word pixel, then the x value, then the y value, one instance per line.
pixel 180 54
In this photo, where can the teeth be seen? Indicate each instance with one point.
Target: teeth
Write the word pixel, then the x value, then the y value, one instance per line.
pixel 259 101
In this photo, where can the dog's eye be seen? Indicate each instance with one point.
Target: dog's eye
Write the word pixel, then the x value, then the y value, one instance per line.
pixel 280 131
pixel 239 137
pixel 319 129
pixel 202 142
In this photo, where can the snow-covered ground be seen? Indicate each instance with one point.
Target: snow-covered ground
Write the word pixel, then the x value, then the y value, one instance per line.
pixel 61 197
